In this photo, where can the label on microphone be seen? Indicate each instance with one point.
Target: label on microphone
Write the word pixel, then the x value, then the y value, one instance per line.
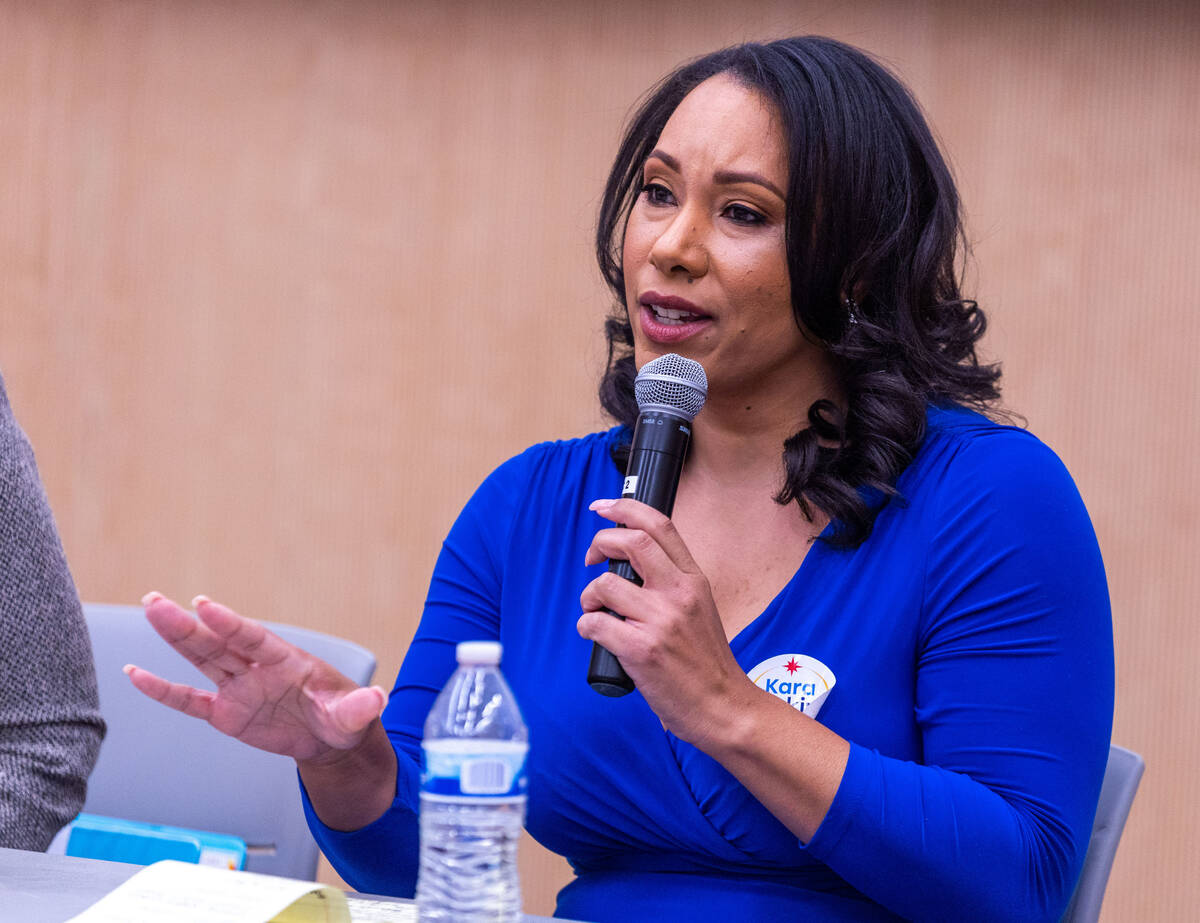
pixel 630 487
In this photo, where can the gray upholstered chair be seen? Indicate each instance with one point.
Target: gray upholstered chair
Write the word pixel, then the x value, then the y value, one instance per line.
pixel 1121 778
pixel 161 767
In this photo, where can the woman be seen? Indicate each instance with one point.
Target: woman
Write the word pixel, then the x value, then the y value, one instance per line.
pixel 849 544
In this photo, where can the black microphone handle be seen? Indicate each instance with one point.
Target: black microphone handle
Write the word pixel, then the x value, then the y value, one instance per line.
pixel 660 443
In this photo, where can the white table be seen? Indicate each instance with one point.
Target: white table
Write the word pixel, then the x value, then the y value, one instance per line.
pixel 37 888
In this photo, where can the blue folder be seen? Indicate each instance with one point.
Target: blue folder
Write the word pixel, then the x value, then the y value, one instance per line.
pixel 95 837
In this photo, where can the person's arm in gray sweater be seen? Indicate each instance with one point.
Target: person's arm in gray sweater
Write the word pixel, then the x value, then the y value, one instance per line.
pixel 50 724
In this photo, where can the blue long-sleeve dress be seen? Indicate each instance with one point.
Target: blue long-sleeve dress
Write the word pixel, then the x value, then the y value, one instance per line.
pixel 965 651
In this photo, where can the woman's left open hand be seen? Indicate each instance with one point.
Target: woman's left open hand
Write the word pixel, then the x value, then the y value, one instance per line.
pixel 672 643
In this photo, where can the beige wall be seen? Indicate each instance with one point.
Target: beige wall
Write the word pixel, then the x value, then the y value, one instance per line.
pixel 280 282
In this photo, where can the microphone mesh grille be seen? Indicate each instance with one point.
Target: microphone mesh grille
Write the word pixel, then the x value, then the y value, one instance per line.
pixel 673 382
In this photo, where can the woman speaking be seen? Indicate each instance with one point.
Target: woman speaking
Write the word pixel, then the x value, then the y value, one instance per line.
pixel 872 648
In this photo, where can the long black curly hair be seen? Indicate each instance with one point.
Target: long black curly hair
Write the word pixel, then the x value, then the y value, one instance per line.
pixel 872 216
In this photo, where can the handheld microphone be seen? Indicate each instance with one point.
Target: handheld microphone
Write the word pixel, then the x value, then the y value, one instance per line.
pixel 670 391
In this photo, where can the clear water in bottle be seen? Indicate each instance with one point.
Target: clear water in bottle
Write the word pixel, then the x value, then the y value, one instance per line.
pixel 472 795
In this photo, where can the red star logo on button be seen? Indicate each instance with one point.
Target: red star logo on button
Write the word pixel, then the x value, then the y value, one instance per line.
pixel 791 666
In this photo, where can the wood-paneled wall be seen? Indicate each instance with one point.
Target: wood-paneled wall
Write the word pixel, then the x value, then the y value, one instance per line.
pixel 280 282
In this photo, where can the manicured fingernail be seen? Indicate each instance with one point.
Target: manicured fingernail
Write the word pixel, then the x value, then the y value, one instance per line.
pixel 152 597
pixel 200 599
pixel 127 669
pixel 601 504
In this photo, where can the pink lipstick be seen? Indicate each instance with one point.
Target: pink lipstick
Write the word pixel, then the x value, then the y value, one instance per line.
pixel 669 318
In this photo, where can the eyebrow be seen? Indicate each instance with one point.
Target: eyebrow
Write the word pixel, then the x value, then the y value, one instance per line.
pixel 725 177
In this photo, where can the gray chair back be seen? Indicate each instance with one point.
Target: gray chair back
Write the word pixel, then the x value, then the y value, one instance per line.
pixel 159 766
pixel 1121 778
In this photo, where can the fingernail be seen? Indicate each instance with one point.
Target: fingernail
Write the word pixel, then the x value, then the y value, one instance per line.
pixel 152 597
pixel 199 599
pixel 601 504
pixel 127 669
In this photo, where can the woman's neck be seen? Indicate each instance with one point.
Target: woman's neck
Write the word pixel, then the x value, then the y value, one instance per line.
pixel 739 435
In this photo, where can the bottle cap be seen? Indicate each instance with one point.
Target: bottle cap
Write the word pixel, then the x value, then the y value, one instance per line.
pixel 484 653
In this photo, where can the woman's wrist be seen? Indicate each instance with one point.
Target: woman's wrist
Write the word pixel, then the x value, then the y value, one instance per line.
pixel 351 788
pixel 723 723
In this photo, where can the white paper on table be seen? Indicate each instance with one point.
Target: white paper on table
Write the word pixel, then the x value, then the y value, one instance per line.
pixel 364 911
pixel 186 893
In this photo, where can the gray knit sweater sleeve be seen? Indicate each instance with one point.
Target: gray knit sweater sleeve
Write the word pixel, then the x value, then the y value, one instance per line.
pixel 50 725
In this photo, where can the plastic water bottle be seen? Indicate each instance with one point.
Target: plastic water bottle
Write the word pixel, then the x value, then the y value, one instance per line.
pixel 472 795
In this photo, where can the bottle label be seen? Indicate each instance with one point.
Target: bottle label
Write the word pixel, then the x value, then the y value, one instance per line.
pixel 457 767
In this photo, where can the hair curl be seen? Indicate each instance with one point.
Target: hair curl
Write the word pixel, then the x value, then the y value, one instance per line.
pixel 873 216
